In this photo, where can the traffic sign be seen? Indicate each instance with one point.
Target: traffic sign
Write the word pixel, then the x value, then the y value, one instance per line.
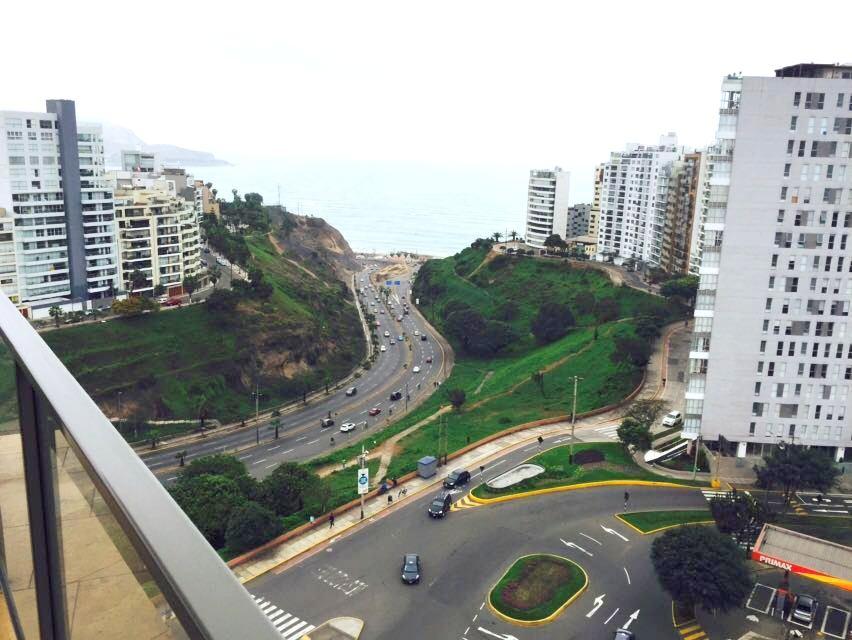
pixel 363 481
pixel 396 282
pixel 389 282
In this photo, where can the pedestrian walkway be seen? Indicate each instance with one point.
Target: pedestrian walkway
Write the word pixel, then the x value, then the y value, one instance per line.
pixel 289 626
pixel 376 507
pixel 610 431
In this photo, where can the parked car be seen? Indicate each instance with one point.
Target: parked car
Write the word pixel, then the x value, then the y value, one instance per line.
pixel 672 419
pixel 162 299
pixel 457 478
pixel 416 370
pixel 346 427
pixel 221 261
pixel 805 609
pixel 399 318
pixel 351 391
pixel 173 302
pixel 440 505
pixel 392 342
pixel 623 634
pixel 374 411
pixel 411 568
pixel 396 395
pixel 400 338
pixel 326 422
pixel 428 358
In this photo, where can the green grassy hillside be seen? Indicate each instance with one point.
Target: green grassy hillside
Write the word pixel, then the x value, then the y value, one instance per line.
pixel 168 364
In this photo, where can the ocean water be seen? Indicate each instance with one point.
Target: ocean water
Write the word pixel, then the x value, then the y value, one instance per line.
pixel 388 207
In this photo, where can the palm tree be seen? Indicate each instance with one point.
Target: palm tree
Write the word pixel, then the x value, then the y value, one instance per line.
pixel 496 235
pixel 190 284
pixel 56 313
pixel 513 235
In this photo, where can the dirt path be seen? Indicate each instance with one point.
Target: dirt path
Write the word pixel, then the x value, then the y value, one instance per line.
pixel 280 251
pixel 488 258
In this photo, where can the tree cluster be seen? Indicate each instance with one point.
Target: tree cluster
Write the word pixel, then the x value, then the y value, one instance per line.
pixel 699 566
pixel 633 351
pixel 475 334
pixel 635 429
pixel 244 214
pixel 793 468
pixel 233 510
pixel 552 321
pixel 134 306
pixel 683 288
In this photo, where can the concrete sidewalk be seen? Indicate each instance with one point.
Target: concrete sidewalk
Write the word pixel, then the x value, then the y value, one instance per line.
pixel 377 506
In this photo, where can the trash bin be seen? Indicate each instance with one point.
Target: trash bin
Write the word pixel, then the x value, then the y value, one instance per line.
pixel 427 466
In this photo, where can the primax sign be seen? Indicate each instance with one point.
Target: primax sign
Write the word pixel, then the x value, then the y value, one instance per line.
pixel 775 563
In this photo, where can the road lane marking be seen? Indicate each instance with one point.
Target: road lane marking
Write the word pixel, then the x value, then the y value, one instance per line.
pixel 302 438
pixel 277 446
pixel 598 603
pixel 172 478
pixel 627 574
pixel 313 441
pixel 614 532
pixel 576 546
pixel 285 452
pixel 269 466
pixel 612 615
pixel 248 455
pixel 591 538
pixel 259 461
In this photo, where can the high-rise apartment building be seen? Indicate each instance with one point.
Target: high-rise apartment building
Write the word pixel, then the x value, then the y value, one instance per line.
pixel 595 211
pixel 680 191
pixel 632 215
pixel 771 358
pixel 158 235
pixel 52 180
pixel 139 161
pixel 8 263
pixel 205 202
pixel 547 205
pixel 577 223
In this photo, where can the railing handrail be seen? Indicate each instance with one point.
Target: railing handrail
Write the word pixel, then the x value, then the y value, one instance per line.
pixel 202 591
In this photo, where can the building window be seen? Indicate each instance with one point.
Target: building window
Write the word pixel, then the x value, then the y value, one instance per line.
pixel 797 98
pixel 794 120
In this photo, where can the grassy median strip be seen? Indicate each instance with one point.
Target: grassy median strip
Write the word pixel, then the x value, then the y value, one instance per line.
pixel 650 521
pixel 616 464
pixel 536 588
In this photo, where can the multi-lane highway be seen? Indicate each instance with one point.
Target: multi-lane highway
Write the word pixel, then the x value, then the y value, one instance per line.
pixel 301 435
pixel 464 555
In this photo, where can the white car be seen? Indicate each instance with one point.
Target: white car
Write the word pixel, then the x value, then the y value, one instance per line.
pixel 392 343
pixel 672 419
pixel 416 370
pixel 221 262
pixel 387 334
pixel 417 333
pixel 346 427
pixel 384 348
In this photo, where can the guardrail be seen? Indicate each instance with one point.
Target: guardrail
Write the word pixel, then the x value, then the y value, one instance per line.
pixel 108 551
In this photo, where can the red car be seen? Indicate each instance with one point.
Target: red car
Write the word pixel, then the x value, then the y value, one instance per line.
pixel 428 358
pixel 374 411
pixel 173 302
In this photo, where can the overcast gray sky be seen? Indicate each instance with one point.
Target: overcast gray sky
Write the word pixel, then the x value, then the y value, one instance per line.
pixel 522 83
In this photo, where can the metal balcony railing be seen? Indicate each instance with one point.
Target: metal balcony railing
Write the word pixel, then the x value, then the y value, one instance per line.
pixel 91 544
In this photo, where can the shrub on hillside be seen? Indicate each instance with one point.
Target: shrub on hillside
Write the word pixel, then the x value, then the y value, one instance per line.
pixel 552 322
pixel 588 456
pixel 633 350
pixel 249 526
pixel 209 502
pixel 221 464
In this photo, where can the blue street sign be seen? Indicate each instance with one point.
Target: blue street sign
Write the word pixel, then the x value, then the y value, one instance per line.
pixel 397 282
pixel 388 282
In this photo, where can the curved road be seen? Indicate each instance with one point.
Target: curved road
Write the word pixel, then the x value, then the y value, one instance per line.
pixel 301 436
pixel 466 553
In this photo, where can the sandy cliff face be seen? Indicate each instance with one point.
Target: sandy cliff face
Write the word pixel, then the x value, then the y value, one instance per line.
pixel 314 241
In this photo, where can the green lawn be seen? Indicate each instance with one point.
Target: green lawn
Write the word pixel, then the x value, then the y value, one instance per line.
pixel 617 465
pixel 647 521
pixel 536 586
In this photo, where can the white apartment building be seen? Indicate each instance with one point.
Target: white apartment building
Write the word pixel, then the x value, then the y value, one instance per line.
pixel 139 161
pixel 631 216
pixel 547 205
pixel 8 264
pixel 771 358
pixel 158 234
pixel 52 181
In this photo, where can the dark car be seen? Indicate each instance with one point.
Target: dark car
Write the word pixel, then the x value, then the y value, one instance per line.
pixel 374 411
pixel 351 391
pixel 411 568
pixel 326 422
pixel 440 506
pixel 804 611
pixel 396 395
pixel 457 478
pixel 423 337
pixel 623 634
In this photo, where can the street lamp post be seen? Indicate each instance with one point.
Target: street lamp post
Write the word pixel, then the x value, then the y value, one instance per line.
pixel 256 395
pixel 362 464
pixel 573 420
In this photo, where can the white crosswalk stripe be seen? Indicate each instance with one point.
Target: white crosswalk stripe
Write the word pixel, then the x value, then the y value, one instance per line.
pixel 609 432
pixel 289 626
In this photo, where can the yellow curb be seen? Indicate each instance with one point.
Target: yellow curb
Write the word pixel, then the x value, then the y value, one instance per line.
pixel 583 485
pixel 670 526
pixel 552 616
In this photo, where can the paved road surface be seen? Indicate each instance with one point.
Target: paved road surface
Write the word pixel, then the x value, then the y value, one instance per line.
pixel 466 553
pixel 301 436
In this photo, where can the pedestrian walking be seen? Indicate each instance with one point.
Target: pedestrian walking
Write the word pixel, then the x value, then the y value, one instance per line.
pixel 390 499
pixel 540 441
pixel 626 499
pixel 330 520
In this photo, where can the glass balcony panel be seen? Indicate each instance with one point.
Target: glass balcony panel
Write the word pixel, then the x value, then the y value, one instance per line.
pixel 17 591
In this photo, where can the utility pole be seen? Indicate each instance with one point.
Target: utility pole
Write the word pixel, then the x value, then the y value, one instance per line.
pixel 573 420
pixel 406 395
pixel 257 412
pixel 362 464
pixel 695 462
